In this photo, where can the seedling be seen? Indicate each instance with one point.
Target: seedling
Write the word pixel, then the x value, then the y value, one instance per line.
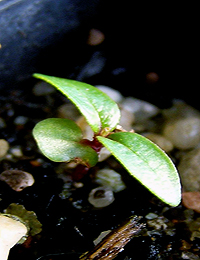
pixel 61 140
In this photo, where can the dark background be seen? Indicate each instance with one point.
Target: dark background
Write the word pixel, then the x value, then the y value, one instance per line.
pixel 139 38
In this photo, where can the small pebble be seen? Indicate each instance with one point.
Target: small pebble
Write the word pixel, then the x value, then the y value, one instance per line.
pixel 78 185
pixel 161 141
pixel 112 93
pixel 151 216
pixel 101 237
pixel 194 227
pixel 43 88
pixel 101 197
pixel 10 112
pixel 66 191
pixel 180 110
pixel 152 77
pixel 189 214
pixel 189 170
pixel 86 129
pixel 21 120
pixel 158 223
pixel 96 37
pixel 183 133
pixel 68 111
pixel 2 123
pixel 191 200
pixel 189 256
pixel 127 119
pixel 16 151
pixel 110 179
pixel 104 154
pixel 4 147
pixel 17 179
pixel 141 109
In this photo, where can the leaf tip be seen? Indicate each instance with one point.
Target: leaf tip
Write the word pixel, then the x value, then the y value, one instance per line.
pixel 36 75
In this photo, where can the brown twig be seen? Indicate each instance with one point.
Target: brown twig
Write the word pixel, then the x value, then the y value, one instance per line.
pixel 115 241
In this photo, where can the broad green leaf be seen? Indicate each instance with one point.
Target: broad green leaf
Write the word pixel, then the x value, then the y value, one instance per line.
pixel 147 163
pixel 59 140
pixel 99 110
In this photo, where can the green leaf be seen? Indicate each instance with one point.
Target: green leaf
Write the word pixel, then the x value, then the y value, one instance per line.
pixel 147 163
pixel 59 140
pixel 99 110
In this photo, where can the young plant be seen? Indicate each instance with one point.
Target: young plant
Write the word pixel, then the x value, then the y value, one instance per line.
pixel 61 140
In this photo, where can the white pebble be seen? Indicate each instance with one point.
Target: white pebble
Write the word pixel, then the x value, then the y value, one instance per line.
pixel 16 151
pixel 101 197
pixel 161 141
pixel 112 93
pixel 189 170
pixel 101 237
pixel 20 120
pixel 179 110
pixel 184 133
pixel 86 129
pixel 42 89
pixel 68 111
pixel 127 119
pixel 103 154
pixel 4 147
pixel 111 179
pixel 151 215
pixel 141 109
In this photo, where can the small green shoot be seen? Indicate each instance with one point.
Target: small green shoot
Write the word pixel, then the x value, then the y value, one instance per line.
pixel 61 140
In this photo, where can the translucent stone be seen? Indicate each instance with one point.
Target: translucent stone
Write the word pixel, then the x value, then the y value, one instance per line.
pixel 104 154
pixel 86 129
pixel 16 151
pixel 141 109
pixel 127 119
pixel 184 133
pixel 112 93
pixel 68 111
pixel 151 215
pixel 101 197
pixel 110 179
pixel 189 170
pixel 180 110
pixel 42 89
pixel 4 147
pixel 21 120
pixel 101 237
pixel 161 141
